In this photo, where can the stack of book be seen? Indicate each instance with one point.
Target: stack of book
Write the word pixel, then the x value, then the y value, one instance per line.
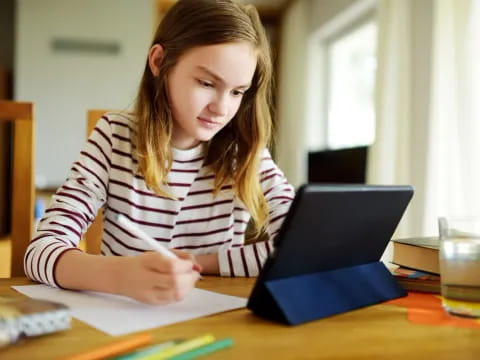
pixel 415 280
pixel 418 263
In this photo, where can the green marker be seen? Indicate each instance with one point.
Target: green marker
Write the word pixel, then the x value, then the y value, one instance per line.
pixel 204 350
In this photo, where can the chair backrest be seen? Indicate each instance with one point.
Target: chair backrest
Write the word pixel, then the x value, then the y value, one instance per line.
pixel 93 236
pixel 23 190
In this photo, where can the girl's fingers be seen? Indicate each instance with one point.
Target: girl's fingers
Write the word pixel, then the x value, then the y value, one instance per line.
pixel 183 254
pixel 162 264
pixel 181 286
pixel 187 256
pixel 174 281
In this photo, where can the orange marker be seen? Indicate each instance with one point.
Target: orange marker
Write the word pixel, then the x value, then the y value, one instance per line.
pixel 113 349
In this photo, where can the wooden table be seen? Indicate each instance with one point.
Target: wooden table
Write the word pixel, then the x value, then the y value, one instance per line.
pixel 375 332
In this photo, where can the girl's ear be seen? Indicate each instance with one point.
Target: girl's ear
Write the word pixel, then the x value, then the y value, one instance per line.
pixel 155 58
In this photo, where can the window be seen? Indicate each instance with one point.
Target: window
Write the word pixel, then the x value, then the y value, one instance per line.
pixel 351 66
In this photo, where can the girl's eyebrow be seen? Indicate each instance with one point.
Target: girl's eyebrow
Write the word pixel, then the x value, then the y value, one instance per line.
pixel 219 78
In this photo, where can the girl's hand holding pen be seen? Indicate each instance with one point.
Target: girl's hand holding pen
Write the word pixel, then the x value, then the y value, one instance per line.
pixel 154 278
pixel 158 277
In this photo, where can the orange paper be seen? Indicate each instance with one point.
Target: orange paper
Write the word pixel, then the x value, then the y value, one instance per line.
pixel 423 308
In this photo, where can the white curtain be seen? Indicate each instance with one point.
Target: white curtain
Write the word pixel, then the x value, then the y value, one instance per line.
pixel 453 171
pixel 428 111
pixel 390 157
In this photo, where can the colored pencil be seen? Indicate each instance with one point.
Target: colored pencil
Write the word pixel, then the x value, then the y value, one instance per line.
pixel 141 353
pixel 181 348
pixel 115 348
pixel 204 350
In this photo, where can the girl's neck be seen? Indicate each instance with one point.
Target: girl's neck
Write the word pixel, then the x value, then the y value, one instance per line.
pixel 188 154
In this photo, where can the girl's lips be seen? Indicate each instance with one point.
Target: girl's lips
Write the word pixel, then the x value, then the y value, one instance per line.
pixel 208 123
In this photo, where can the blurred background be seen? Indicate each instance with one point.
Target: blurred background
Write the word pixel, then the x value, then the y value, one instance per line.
pixel 367 91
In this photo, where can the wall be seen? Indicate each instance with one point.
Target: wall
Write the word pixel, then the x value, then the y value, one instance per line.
pixel 290 150
pixel 63 85
pixel 323 11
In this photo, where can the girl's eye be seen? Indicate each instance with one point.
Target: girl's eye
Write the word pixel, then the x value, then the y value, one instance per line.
pixel 205 83
pixel 238 93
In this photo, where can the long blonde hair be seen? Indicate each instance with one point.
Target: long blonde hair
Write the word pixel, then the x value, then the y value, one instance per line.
pixel 233 154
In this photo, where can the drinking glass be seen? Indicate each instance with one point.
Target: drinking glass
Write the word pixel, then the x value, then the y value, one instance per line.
pixel 460 265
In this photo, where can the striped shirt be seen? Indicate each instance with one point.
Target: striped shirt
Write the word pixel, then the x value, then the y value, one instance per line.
pixel 195 221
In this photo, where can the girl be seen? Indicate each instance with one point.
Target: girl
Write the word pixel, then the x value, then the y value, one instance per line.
pixel 189 166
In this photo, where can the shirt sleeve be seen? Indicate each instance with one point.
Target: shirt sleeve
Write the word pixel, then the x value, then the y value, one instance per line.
pixel 248 260
pixel 73 207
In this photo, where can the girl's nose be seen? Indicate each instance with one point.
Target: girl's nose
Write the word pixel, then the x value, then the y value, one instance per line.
pixel 219 106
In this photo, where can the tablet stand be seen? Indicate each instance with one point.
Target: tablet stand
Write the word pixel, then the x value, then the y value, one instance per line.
pixel 298 299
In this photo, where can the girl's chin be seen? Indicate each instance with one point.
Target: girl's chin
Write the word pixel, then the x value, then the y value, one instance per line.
pixel 206 135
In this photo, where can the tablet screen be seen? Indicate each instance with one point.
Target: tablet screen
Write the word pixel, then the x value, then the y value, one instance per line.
pixel 336 226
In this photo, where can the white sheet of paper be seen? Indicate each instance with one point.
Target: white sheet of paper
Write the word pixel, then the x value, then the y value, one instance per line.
pixel 119 315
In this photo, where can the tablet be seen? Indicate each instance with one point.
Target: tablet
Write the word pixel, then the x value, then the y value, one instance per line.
pixel 335 226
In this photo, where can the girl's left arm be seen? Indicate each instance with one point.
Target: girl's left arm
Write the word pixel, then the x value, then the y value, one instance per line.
pixel 249 259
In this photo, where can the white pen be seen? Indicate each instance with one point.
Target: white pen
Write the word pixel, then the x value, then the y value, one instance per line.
pixel 143 236
pixel 149 240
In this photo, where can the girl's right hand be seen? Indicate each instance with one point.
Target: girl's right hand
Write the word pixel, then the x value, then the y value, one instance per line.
pixel 155 279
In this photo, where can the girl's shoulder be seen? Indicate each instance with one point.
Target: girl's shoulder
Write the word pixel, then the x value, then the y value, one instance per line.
pixel 265 156
pixel 123 119
pixel 266 160
pixel 118 126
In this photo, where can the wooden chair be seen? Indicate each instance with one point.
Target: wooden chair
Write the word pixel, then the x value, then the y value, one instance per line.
pixel 93 236
pixel 23 190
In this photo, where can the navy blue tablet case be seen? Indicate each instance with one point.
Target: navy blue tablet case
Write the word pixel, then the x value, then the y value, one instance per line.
pixel 326 258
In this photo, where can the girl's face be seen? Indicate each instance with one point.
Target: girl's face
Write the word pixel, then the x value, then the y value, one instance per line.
pixel 206 87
